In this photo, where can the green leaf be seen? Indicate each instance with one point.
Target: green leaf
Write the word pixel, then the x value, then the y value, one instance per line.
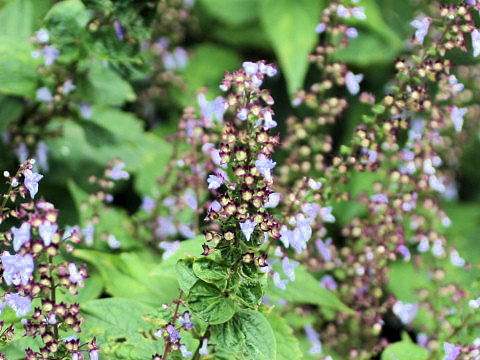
pixel 210 303
pixel 404 351
pixel 247 336
pixel 211 272
pixel 18 70
pixel 235 12
pixel 66 21
pixel 11 109
pixel 288 347
pixel 250 292
pixel 123 278
pixel 19 18
pixel 307 290
pixel 186 276
pixel 290 25
pixel 105 86
pixel 117 324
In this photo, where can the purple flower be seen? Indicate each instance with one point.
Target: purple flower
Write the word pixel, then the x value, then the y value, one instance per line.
pixel 186 321
pixel 89 232
pixel 74 275
pixel 323 248
pixel 148 204
pixel 86 111
pixel 169 247
pixel 215 206
pixel 20 304
pixel 342 11
pixel 265 165
pixel 311 210
pixel 403 250
pixel 186 231
pixel 268 70
pixel 289 268
pixel 456 259
pixel 214 182
pixel 20 235
pixel 423 245
pixel 326 214
pixel 328 282
pixel 379 199
pixel 68 87
pixel 359 13
pixel 44 95
pixel 113 242
pixel 42 36
pixel 208 109
pixel 273 200
pixel 314 185
pixel 184 351
pixel 47 230
pixel 422 28
pixel 22 152
pixel 476 42
pixel 181 57
pixel 457 117
pixel 352 32
pixel 301 234
pixel 117 173
pixel 119 30
pixel 451 351
pixel 190 199
pixel 405 312
pixel 285 236
pixel 352 82
pixel 456 86
pixel 2 306
pixel 93 354
pixel 204 349
pixel 269 123
pixel 50 53
pixel 320 28
pixel 42 157
pixel 278 282
pixel 247 228
pixel 250 68
pixel 17 269
pixel 314 339
pixel 173 334
pixel 242 114
pixel 31 181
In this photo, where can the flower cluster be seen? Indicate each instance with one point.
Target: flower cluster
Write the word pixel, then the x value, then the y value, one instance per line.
pixel 36 277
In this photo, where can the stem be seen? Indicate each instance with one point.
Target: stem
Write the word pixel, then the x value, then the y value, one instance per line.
pixel 175 315
pixel 53 296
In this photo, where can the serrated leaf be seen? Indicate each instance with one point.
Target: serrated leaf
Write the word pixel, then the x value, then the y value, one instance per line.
pixel 185 275
pixel 233 12
pixel 211 271
pixel 290 26
pixel 247 336
pixel 288 347
pixel 207 301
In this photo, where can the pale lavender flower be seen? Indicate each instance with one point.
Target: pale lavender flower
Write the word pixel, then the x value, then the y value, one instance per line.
pixel 68 87
pixel 256 81
pixel 184 351
pixel 214 182
pixel 279 282
pixel 148 204
pixel 186 231
pixel 117 173
pixel 181 57
pixel 403 250
pixel 86 111
pixel 289 268
pixel 422 28
pixel 89 232
pixel 404 311
pixel 268 70
pixel 250 68
pixel 352 82
pixel 74 275
pixel 269 122
pixel 423 245
pixel 119 30
pixel 22 152
pixel 2 306
pixel 342 11
pixel 320 28
pixel 456 86
pixel 456 259
pixel 285 236
pixel 17 269
pixel 422 340
pixel 47 230
pixel 173 334
pixel 273 200
pixel 476 42
pixel 314 185
pixel 311 210
pixel 326 214
pixel 42 36
pixel 437 249
pixel 113 242
pixel 314 339
pixel 451 351
pixel 215 206
pixel 265 165
pixel 474 303
pixel 204 349
pixel 186 322
pixel 328 282
pixel 379 199
pixel 20 304
pixel 50 53
pixel 169 247
pixel 44 95
pixel 323 248
pixel 166 227
pixel 93 354
pixel 42 155
pixel 247 228
pixel 359 13
pixel 21 235
pixel 190 199
pixel 242 114
pixel 457 117
pixel 352 32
